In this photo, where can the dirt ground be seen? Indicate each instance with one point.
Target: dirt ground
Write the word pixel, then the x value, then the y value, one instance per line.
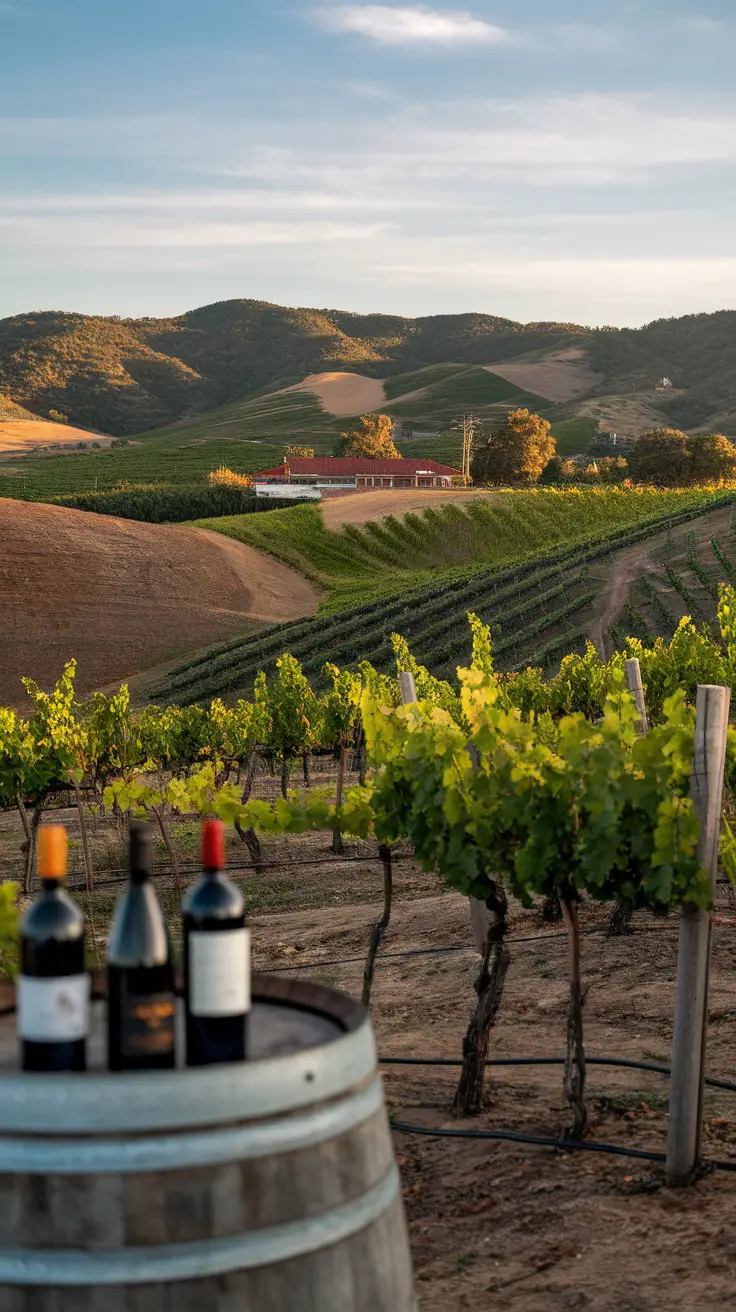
pixel 627 415
pixel 25 436
pixel 341 393
pixel 616 575
pixel 559 376
pixel 358 508
pixel 121 595
pixel 499 1225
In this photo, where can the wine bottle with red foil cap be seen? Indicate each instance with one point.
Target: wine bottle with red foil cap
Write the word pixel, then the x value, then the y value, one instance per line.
pixel 216 959
pixel 53 987
pixel 141 1006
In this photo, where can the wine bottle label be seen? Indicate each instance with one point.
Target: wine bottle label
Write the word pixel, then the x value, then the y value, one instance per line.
pixel 147 1025
pixel 219 972
pixel 54 1010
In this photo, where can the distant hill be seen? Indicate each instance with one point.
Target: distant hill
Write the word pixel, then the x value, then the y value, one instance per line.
pixel 129 376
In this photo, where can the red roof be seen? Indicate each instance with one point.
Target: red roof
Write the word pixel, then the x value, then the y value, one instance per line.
pixel 357 465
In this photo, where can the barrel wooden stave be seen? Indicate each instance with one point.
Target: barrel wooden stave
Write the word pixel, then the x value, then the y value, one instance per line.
pixel 367 1273
pixel 316 1227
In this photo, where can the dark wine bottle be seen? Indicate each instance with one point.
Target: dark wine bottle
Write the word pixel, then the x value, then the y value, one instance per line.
pixel 216 960
pixel 141 1007
pixel 54 987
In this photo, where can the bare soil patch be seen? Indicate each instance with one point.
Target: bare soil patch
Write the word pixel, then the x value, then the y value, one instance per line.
pixel 626 415
pixel 120 595
pixel 24 436
pixel 380 502
pixel 629 563
pixel 343 393
pixel 559 376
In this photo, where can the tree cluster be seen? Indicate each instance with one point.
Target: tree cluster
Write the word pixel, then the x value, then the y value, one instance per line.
pixel 674 459
pixel 374 439
pixel 516 451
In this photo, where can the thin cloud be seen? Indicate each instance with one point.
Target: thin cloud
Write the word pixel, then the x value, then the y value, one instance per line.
pixel 412 25
pixel 702 23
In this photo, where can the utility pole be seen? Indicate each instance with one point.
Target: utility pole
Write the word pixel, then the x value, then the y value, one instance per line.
pixel 467 424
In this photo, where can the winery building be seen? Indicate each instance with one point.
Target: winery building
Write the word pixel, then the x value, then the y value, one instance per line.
pixel 359 473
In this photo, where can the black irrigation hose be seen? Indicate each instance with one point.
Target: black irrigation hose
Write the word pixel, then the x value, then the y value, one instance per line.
pixel 544 1140
pixel 626 1062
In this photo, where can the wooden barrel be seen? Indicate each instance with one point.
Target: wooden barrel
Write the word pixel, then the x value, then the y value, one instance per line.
pixel 257 1187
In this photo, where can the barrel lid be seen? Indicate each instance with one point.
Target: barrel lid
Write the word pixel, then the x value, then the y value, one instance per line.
pixel 308 1043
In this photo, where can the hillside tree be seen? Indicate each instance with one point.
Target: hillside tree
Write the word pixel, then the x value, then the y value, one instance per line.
pixel 373 439
pixel 299 452
pixel 515 452
pixel 661 456
pixel 713 456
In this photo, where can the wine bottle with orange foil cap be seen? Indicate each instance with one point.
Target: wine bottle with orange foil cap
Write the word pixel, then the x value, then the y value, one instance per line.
pixel 140 973
pixel 216 959
pixel 53 987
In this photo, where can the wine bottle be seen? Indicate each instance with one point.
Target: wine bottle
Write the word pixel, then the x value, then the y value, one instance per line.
pixel 216 959
pixel 140 974
pixel 54 987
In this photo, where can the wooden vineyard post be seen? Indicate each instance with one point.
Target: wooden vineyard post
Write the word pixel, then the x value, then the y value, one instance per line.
pixel 407 688
pixel 636 688
pixel 691 995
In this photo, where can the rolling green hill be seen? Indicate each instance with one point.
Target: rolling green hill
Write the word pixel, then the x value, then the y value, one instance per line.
pixel 128 376
pixel 388 556
pixel 542 588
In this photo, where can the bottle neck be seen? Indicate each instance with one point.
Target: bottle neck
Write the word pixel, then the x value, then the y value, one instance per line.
pixel 212 872
pixel 139 877
pixel 50 886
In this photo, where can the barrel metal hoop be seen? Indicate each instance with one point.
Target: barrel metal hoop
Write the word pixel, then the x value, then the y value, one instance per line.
pixel 176 1100
pixel 172 1152
pixel 210 1257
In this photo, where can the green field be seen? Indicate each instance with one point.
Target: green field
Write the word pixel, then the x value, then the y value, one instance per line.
pixel 38 478
pixel 399 384
pixel 386 557
pixel 573 435
pixel 459 390
pixel 538 608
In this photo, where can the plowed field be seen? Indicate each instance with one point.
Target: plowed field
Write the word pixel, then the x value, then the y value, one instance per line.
pixel 121 596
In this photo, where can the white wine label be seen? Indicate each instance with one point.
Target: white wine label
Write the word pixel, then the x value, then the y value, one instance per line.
pixel 53 1010
pixel 219 972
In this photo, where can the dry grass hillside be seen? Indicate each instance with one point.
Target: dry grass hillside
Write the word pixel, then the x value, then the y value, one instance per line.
pixel 121 596
pixel 27 436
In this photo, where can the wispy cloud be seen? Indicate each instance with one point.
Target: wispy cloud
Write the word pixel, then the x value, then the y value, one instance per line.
pixel 411 25
pixel 702 23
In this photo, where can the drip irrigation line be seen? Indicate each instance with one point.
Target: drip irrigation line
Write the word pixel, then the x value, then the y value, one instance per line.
pixel 625 1062
pixel 542 1140
pixel 549 1141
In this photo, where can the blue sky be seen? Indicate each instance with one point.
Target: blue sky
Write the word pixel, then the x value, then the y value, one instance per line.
pixel 538 160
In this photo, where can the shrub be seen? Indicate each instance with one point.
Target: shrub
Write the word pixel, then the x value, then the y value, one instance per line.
pixel 162 504
pixel 224 477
